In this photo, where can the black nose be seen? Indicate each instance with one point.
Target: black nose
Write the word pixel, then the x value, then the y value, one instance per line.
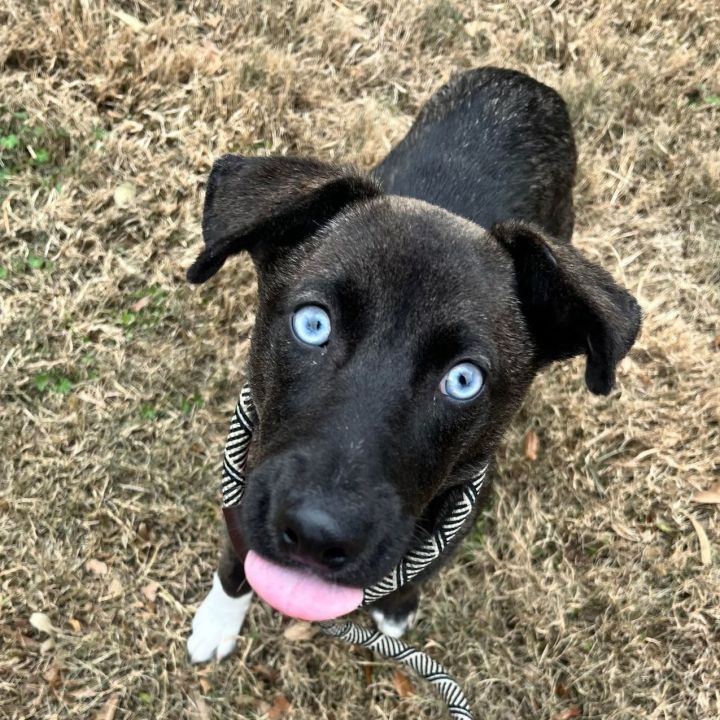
pixel 316 538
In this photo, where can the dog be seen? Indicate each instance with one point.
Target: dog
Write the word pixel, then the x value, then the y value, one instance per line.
pixel 402 316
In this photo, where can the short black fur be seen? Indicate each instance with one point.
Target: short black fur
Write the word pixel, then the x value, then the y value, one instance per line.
pixel 455 249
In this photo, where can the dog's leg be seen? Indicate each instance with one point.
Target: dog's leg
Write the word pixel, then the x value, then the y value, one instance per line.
pixel 221 614
pixel 394 614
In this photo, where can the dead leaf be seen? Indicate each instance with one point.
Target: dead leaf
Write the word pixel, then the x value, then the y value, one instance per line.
pixel 74 624
pixel 83 694
pixel 368 674
pixel 297 631
pixel 532 445
pixel 710 497
pixel 705 550
pixel 130 20
pixel 141 304
pixel 115 587
pixel 40 621
pixel 212 60
pixel 572 712
pixel 279 707
pixel 96 567
pixel 402 684
pixel 26 642
pixel 150 591
pixel 472 28
pixel 202 710
pixel 124 194
pixel 53 676
pixel 108 710
pixel 266 672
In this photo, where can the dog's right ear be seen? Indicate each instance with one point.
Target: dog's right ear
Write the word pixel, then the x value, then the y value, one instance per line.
pixel 572 306
pixel 265 205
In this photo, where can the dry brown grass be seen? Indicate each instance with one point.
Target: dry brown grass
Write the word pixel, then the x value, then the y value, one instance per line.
pixel 583 587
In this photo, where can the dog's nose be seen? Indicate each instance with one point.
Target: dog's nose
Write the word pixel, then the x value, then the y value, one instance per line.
pixel 316 538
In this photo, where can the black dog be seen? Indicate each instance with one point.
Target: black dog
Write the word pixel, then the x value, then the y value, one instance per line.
pixel 401 319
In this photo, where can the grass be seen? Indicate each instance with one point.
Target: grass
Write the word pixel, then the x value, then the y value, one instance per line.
pixel 583 589
pixel 30 148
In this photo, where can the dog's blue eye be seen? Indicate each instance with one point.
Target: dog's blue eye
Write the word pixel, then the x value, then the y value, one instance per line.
pixel 463 382
pixel 311 325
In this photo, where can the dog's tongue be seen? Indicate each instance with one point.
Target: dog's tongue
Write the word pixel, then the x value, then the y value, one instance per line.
pixel 297 593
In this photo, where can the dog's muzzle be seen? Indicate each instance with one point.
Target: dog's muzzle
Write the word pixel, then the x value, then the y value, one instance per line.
pixel 457 509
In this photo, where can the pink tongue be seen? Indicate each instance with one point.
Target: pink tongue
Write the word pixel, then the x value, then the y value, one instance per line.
pixel 297 593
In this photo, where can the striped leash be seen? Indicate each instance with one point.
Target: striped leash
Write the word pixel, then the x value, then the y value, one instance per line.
pixel 457 509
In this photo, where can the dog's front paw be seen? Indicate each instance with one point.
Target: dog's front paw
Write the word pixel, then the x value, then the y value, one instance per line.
pixel 216 624
pixel 395 625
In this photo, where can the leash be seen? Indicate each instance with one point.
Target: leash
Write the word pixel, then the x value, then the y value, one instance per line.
pixel 455 511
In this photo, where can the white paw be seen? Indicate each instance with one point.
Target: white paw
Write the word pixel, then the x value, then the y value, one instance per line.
pixel 217 624
pixel 392 627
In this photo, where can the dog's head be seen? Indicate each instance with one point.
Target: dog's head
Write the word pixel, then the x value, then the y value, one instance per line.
pixel 393 343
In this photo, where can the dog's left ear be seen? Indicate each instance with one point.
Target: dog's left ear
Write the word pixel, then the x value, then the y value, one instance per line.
pixel 571 305
pixel 265 205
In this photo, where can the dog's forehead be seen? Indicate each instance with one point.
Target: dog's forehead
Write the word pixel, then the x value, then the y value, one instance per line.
pixel 401 248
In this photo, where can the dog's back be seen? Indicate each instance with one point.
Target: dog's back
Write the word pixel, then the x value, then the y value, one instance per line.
pixel 491 145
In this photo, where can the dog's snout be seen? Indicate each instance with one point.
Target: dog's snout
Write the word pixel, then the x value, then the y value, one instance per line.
pixel 312 535
pixel 339 517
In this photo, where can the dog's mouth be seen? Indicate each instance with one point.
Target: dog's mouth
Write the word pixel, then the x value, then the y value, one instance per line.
pixel 299 593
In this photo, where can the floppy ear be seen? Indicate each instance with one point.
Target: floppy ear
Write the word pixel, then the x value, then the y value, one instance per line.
pixel 571 305
pixel 265 205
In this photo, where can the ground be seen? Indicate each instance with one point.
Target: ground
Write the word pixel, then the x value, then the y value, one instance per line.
pixel 582 593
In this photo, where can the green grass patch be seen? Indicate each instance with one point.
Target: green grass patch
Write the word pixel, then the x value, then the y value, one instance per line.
pixel 32 263
pixel 149 412
pixel 27 146
pixel 9 142
pixel 160 409
pixel 127 318
pixel 42 157
pixel 35 262
pixel 697 98
pixel 146 308
pixel 163 407
pixel 53 382
pixel 187 405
